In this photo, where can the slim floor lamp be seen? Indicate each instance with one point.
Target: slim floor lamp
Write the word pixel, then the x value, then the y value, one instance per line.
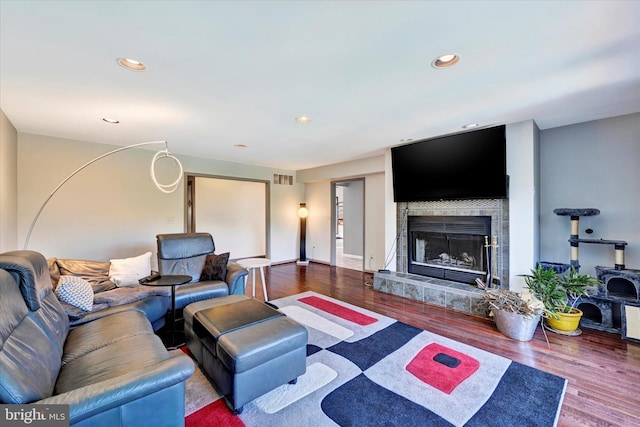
pixel 165 188
pixel 303 213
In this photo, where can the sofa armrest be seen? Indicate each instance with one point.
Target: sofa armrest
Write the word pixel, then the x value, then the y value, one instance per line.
pixel 236 278
pixel 94 399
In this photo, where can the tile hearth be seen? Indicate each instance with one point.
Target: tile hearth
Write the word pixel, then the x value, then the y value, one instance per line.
pixel 453 295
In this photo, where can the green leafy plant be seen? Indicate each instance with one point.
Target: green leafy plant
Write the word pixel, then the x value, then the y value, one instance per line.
pixel 544 284
pixel 575 286
pixel 558 293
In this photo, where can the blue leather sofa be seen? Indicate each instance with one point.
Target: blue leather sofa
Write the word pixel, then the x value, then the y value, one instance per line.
pixel 111 371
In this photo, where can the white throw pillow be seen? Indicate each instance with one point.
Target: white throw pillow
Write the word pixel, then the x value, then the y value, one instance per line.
pixel 127 271
pixel 75 291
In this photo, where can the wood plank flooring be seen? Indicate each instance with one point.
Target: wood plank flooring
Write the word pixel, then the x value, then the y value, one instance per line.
pixel 602 369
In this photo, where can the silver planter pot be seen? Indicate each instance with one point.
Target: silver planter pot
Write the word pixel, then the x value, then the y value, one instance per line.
pixel 516 326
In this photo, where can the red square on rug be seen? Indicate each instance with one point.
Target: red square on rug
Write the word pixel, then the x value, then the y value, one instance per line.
pixel 442 367
pixel 215 414
pixel 339 310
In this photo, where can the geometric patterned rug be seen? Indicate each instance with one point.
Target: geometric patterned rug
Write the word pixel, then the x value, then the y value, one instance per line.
pixel 366 369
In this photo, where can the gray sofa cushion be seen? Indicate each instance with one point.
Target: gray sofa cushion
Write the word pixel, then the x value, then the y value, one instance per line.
pixel 95 335
pixel 31 273
pixel 94 272
pixel 118 357
pixel 29 358
pixel 184 245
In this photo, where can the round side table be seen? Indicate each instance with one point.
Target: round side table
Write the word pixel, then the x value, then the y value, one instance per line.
pixel 252 264
pixel 172 280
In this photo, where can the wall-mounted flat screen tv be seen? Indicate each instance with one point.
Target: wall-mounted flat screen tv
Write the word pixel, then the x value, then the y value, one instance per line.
pixel 469 165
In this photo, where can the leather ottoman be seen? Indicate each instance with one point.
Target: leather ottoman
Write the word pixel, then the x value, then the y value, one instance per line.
pixel 245 347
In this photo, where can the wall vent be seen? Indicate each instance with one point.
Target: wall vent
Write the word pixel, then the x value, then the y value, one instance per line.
pixel 282 179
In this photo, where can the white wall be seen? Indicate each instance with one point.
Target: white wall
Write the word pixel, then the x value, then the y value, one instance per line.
pixel 374 223
pixel 390 217
pixel 112 209
pixel 8 185
pixel 235 213
pixel 592 165
pixel 522 168
pixel 320 206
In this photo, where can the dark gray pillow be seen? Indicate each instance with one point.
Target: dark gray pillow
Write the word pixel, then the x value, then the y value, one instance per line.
pixel 215 267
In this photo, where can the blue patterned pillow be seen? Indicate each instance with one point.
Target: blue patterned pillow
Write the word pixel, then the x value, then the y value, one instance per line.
pixel 75 291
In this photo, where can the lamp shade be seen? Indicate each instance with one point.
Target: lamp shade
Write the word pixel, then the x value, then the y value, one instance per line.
pixel 303 212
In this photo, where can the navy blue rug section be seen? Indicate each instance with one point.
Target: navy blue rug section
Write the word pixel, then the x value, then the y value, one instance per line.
pixel 539 392
pixel 361 402
pixel 369 351
pixel 312 349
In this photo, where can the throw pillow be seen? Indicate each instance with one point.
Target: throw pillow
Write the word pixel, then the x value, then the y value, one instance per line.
pixel 94 272
pixel 127 271
pixel 215 267
pixel 75 291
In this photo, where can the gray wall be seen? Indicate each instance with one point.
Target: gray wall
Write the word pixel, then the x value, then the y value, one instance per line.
pixel 591 165
pixel 353 217
pixel 112 208
pixel 8 185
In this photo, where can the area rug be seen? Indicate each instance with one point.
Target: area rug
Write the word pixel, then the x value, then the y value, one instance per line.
pixel 365 369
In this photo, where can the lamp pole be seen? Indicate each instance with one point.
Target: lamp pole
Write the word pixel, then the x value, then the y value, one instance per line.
pixel 303 213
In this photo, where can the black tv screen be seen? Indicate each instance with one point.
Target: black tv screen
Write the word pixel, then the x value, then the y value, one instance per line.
pixel 469 165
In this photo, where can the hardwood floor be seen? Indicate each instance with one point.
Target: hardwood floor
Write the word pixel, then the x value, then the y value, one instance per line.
pixel 602 369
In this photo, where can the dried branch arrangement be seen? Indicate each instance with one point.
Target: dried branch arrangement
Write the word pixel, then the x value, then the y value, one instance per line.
pixel 501 299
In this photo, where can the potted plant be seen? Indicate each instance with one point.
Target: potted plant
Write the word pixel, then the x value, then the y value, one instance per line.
pixel 515 315
pixel 559 294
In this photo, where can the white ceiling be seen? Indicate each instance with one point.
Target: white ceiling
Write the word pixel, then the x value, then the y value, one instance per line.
pixel 224 73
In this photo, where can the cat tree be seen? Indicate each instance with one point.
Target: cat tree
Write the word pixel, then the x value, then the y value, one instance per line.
pixel 616 305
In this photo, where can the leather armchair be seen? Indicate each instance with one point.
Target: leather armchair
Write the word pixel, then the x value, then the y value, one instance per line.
pixel 185 253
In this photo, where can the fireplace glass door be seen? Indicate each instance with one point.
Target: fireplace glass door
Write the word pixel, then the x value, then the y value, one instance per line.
pixel 449 250
pixel 449 247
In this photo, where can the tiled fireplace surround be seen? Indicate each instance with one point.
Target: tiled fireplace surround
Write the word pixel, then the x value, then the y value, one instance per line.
pixel 454 295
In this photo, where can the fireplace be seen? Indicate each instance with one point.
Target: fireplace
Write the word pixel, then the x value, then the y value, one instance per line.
pixel 452 221
pixel 449 247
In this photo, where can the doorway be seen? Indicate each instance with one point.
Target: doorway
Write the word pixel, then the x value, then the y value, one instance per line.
pixel 235 211
pixel 348 224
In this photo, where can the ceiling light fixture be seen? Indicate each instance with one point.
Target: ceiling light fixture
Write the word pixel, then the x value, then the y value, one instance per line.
pixel 240 146
pixel 303 119
pixel 445 61
pixel 470 126
pixel 406 140
pixel 110 120
pixel 131 64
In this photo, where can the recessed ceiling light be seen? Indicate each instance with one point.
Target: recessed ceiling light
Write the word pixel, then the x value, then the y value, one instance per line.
pixel 470 126
pixel 110 120
pixel 445 61
pixel 303 119
pixel 131 64
pixel 240 146
pixel 406 140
